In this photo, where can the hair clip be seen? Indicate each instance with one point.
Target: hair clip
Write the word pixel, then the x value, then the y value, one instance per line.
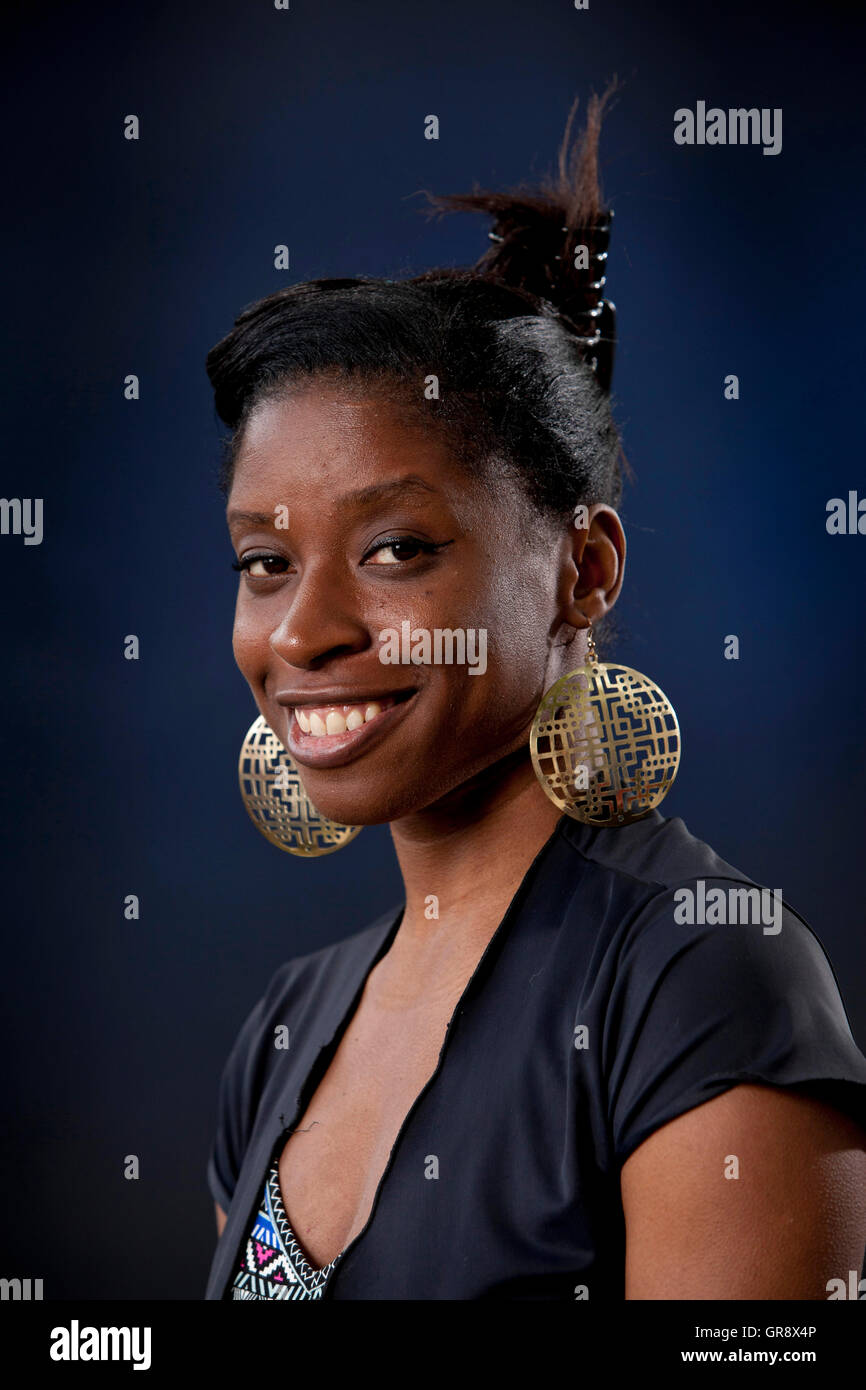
pixel 598 344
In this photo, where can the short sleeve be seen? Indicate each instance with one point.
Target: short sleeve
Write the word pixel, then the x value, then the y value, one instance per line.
pixel 697 1009
pixel 236 1107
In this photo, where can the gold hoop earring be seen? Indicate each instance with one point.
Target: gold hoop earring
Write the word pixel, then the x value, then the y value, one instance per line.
pixel 605 743
pixel 274 796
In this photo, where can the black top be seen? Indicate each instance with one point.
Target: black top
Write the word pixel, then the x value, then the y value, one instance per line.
pixel 597 1013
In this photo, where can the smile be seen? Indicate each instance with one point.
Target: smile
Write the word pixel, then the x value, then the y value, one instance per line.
pixel 323 720
pixel 328 733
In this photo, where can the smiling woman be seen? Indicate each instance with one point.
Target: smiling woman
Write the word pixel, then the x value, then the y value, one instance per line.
pixel 533 1079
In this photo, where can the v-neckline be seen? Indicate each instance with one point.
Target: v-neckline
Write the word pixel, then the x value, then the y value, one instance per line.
pixel 315 1074
pixel 329 1049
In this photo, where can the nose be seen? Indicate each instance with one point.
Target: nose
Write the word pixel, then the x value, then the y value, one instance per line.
pixel 321 621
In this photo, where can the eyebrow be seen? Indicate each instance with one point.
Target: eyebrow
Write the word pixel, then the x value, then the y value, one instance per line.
pixel 409 486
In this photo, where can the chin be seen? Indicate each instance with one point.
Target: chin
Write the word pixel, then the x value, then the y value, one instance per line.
pixel 346 809
pixel 364 807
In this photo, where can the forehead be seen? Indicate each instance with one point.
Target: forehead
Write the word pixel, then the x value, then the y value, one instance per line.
pixel 321 434
pixel 339 454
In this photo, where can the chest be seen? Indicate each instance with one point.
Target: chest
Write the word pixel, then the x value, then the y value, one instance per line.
pixel 332 1164
pixel 455 1154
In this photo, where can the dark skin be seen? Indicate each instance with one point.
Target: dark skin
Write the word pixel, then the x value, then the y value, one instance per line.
pixel 451 774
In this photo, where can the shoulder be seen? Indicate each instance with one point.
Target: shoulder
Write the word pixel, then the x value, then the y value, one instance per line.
pixel 667 891
pixel 702 979
pixel 651 854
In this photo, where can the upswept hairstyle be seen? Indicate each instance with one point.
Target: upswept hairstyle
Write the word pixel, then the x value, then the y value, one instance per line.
pixel 520 392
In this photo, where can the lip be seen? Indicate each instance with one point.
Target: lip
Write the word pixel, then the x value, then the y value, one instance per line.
pixel 335 750
pixel 312 699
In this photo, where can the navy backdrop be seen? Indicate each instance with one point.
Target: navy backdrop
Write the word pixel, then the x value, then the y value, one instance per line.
pixel 306 127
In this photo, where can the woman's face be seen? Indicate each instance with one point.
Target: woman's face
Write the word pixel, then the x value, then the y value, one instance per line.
pixel 353 523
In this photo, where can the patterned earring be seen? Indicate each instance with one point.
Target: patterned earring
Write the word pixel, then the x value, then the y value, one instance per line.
pixel 274 796
pixel 605 743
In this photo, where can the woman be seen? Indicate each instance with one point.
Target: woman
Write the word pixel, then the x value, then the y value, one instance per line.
pixel 552 1072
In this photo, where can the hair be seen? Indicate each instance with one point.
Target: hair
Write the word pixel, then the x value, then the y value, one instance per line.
pixel 523 386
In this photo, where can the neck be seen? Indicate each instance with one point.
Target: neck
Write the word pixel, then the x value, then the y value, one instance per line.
pixel 470 852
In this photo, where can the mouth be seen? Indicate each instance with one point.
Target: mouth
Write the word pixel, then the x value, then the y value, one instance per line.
pixel 330 733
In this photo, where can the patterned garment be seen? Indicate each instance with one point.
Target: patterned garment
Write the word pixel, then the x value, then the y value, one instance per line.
pixel 273 1264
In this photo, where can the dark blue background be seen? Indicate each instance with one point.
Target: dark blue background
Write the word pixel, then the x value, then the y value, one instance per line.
pixel 306 127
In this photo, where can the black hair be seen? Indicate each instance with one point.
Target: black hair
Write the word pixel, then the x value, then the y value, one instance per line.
pixel 521 388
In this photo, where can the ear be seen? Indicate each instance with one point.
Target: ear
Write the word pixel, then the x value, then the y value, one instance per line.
pixel 598 559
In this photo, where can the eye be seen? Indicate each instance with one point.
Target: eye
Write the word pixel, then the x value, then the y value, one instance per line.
pixel 259 566
pixel 401 548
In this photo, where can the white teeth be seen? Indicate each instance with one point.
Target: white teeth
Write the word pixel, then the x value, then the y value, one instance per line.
pixel 333 720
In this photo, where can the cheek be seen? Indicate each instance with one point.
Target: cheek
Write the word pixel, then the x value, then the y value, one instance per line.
pixel 504 699
pixel 249 644
pixel 517 655
pixel 498 702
